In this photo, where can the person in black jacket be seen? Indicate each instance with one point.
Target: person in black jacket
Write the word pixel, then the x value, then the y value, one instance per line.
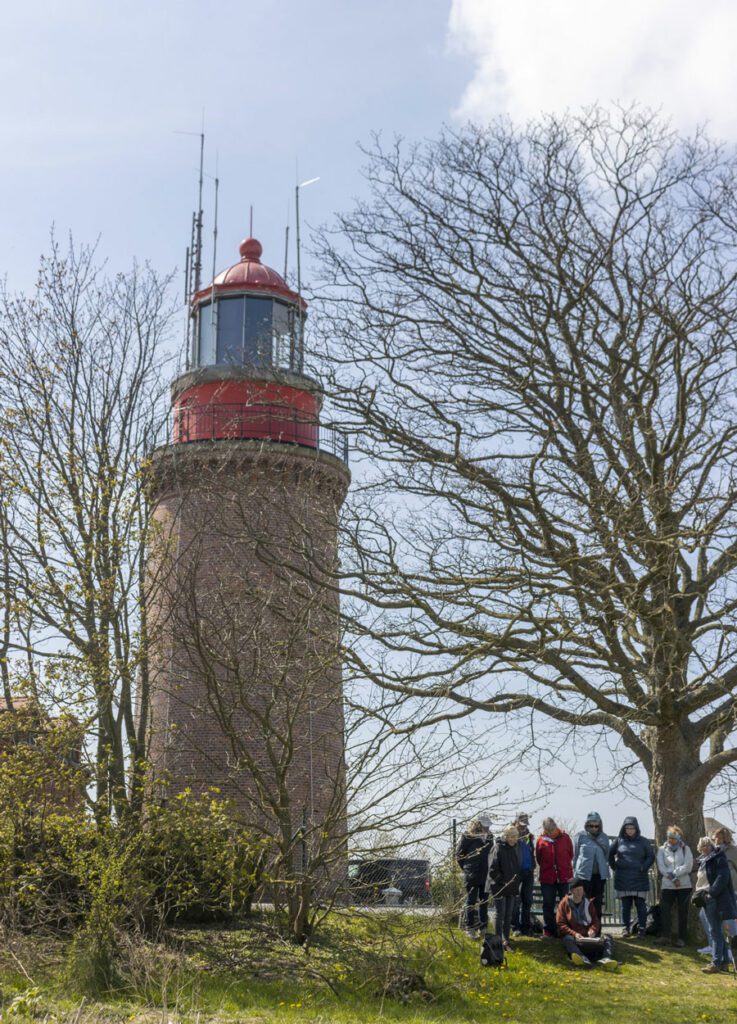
pixel 631 856
pixel 472 855
pixel 505 874
pixel 714 883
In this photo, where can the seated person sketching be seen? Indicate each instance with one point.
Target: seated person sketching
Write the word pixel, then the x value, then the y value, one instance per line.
pixel 578 925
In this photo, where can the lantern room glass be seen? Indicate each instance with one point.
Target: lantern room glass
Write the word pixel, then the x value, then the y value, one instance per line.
pixel 250 330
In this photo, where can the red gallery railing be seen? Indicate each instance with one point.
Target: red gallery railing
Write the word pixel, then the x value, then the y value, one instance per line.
pixel 223 421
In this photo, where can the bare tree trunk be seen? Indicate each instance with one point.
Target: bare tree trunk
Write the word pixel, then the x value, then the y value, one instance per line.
pixel 676 786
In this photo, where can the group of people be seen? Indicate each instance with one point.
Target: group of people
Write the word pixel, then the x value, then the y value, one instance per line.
pixel 573 875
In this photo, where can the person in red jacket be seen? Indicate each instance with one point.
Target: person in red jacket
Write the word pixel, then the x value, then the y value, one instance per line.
pixel 580 929
pixel 554 855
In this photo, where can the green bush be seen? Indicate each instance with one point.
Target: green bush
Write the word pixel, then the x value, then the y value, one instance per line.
pixel 108 882
pixel 446 886
pixel 198 864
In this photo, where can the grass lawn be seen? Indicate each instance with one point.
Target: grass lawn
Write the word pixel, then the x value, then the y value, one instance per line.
pixel 364 968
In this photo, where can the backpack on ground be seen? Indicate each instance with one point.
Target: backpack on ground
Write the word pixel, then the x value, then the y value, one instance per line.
pixel 653 920
pixel 492 952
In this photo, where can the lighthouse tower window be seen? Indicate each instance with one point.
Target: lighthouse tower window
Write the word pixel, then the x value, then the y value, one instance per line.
pixel 283 326
pixel 245 329
pixel 205 350
pixel 230 330
pixel 258 330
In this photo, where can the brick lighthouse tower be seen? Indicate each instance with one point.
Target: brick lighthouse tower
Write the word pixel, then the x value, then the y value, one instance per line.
pixel 245 674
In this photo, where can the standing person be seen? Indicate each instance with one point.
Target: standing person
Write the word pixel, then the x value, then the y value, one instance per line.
pixel 554 854
pixel 723 839
pixel 523 901
pixel 631 856
pixel 580 928
pixel 591 860
pixel 675 863
pixel 472 855
pixel 505 871
pixel 720 903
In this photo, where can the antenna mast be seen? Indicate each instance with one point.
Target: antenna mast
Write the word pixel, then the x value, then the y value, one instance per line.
pixel 213 328
pixel 301 353
pixel 197 262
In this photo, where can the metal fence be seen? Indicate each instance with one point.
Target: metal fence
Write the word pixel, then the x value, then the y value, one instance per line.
pixel 611 912
pixel 265 422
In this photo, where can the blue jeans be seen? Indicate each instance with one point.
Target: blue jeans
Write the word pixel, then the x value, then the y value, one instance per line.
pixel 476 913
pixel 523 904
pixel 552 892
pixel 719 948
pixel 639 902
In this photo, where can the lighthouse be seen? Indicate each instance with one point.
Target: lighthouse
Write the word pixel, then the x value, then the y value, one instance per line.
pixel 246 693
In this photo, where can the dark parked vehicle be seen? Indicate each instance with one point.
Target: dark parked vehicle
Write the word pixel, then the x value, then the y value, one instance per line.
pixel 369 878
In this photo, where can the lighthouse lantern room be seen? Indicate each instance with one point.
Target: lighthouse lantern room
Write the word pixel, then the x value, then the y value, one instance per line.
pixel 246 376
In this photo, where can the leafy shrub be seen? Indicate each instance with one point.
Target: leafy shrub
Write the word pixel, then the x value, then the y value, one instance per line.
pixel 198 863
pixel 446 886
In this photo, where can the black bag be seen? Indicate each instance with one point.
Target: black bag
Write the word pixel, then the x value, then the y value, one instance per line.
pixel 699 898
pixel 653 920
pixel 492 952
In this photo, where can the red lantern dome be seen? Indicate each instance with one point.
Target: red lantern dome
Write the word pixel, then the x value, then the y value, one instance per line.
pixel 250 275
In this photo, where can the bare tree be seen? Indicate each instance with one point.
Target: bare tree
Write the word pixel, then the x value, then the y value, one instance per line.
pixel 83 376
pixel 532 335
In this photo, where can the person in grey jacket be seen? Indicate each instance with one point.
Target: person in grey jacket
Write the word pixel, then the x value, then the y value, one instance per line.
pixel 675 863
pixel 591 859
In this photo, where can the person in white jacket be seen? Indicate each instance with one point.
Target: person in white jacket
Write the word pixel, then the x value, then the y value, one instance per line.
pixel 675 864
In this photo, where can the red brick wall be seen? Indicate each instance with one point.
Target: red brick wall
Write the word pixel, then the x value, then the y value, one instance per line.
pixel 245 674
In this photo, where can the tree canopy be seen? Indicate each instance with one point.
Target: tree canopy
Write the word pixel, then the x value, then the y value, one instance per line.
pixel 531 333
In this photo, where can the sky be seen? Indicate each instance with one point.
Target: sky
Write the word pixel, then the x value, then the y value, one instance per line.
pixel 96 95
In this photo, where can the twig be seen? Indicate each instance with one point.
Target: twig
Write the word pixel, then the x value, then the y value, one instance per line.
pixel 78 1011
pixel 25 972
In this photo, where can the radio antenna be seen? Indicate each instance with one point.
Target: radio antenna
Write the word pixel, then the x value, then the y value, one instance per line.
pixel 300 353
pixel 214 256
pixel 215 222
pixel 193 273
pixel 198 261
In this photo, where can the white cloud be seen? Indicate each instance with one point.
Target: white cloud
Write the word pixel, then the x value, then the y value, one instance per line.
pixel 550 55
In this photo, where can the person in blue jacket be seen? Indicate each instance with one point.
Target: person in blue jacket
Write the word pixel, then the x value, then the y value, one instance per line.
pixel 521 919
pixel 721 903
pixel 631 856
pixel 591 860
